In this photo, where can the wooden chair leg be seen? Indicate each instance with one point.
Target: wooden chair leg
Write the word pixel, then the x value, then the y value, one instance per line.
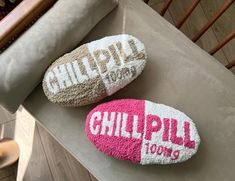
pixel 187 13
pixel 165 7
pixel 230 65
pixel 222 42
pixel 146 1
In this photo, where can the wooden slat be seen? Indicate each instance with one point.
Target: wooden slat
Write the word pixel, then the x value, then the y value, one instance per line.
pixel 223 8
pixel 157 7
pixel 152 2
pixel 165 7
pixel 222 27
pixel 187 13
pixel 20 17
pixel 190 27
pixel 229 37
pixel 230 64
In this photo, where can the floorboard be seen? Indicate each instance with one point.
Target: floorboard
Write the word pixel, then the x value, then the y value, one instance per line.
pixel 41 156
pixel 63 165
pixel 6 172
pixel 78 171
pixel 223 26
pixel 33 164
pixel 10 178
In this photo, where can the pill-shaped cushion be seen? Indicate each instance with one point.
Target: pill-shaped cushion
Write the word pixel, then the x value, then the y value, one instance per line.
pixel 142 132
pixel 94 70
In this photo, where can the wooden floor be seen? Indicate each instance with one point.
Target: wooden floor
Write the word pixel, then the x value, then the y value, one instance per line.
pixel 42 158
pixel 224 25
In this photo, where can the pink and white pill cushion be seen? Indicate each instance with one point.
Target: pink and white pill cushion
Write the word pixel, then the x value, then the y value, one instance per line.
pixel 142 132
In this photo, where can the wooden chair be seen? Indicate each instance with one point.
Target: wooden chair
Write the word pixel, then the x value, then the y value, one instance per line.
pixel 203 30
pixel 20 18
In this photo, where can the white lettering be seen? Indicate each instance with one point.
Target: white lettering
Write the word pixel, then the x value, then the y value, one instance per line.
pixel 108 123
pixel 95 116
pixel 124 121
pixel 62 76
pixel 118 121
pixel 78 71
pixel 91 73
pixel 135 134
pixel 71 73
pixel 52 87
pixel 80 77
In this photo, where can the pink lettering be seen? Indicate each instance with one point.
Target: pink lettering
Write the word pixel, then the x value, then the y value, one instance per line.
pixel 162 150
pixel 154 124
pixel 176 154
pixel 121 124
pixel 167 151
pixel 165 136
pixel 174 138
pixel 187 142
pixel 159 150
pixel 153 148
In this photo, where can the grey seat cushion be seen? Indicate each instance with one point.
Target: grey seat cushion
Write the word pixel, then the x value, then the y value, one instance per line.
pixel 179 74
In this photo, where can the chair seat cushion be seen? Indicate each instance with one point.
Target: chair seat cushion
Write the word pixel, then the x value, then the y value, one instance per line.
pixel 178 74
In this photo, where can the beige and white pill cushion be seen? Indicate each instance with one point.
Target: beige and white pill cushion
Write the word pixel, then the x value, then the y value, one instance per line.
pixel 94 70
